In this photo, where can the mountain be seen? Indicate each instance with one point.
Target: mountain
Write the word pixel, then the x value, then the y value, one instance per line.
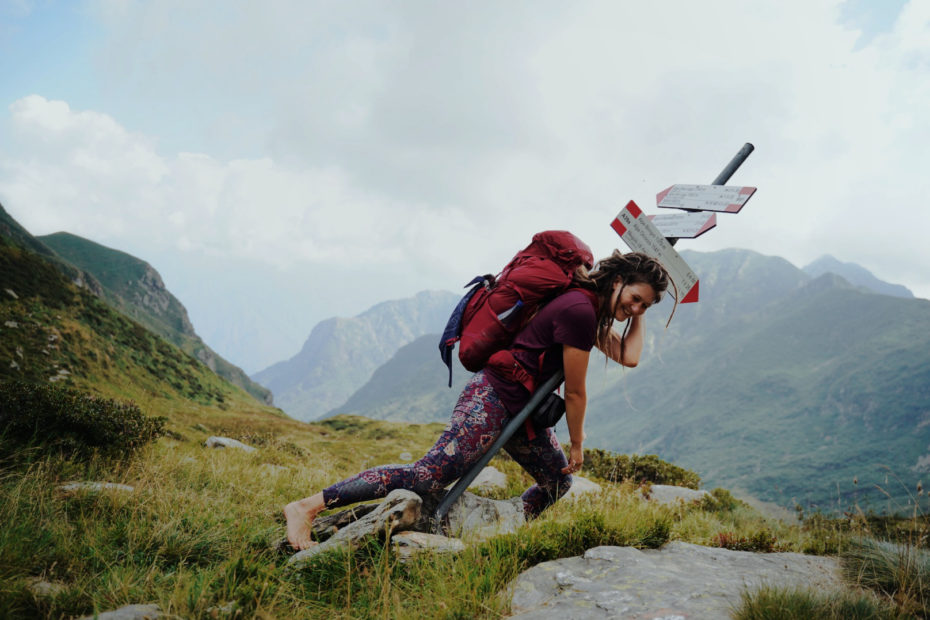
pixel 785 386
pixel 341 354
pixel 856 274
pixel 16 235
pixel 52 331
pixel 405 387
pixel 135 288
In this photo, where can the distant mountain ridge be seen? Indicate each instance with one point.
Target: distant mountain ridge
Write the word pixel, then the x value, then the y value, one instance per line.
pixel 857 275
pixel 769 384
pixel 341 354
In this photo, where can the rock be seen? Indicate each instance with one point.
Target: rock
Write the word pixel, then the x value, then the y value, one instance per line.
pixel 225 610
pixel 42 588
pixel 680 580
pixel 129 612
pixel 406 544
pixel 11 324
pixel 669 495
pixel 95 487
pixel 399 510
pixel 226 442
pixel 489 479
pixel 479 518
pixel 581 486
pixel 272 470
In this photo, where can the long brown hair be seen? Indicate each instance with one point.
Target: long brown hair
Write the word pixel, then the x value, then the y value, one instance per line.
pixel 629 268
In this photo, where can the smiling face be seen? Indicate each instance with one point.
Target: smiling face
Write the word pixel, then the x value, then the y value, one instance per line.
pixel 632 300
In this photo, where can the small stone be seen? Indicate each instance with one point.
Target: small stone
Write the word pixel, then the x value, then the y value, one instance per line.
pixel 11 293
pixel 42 588
pixel 224 610
pixel 12 324
pixel 226 442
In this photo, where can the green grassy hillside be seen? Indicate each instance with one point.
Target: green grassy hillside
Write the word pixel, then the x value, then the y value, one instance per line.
pixel 134 288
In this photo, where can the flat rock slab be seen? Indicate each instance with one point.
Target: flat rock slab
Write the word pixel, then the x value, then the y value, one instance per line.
pixel 95 487
pixel 130 612
pixel 670 495
pixel 680 580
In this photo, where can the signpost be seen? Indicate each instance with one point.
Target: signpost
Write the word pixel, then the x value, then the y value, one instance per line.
pixel 655 239
pixel 720 198
pixel 642 236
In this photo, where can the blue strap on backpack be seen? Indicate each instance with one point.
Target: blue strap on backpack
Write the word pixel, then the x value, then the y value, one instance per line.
pixel 453 330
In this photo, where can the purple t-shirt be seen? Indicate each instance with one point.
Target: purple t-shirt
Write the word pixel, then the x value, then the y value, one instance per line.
pixel 568 319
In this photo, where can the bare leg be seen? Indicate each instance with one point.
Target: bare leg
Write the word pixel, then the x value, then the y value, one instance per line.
pixel 300 515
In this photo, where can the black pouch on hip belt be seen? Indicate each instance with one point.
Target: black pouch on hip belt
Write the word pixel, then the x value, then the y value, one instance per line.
pixel 549 412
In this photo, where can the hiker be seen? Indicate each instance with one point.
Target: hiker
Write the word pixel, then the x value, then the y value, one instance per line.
pixel 620 287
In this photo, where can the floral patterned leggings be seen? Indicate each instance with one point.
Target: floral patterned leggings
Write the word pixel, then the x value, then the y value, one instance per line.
pixel 477 421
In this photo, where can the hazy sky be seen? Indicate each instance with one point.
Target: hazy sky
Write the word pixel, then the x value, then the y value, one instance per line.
pixel 280 162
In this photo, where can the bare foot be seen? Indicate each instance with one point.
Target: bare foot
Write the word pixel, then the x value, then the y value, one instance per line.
pixel 300 515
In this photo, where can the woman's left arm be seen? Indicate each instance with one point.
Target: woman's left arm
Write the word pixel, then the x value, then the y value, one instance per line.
pixel 634 343
pixel 575 363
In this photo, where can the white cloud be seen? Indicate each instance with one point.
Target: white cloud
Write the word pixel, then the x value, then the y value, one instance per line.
pixel 433 139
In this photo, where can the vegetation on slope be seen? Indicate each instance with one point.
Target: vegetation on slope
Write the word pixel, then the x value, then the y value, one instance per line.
pixel 134 288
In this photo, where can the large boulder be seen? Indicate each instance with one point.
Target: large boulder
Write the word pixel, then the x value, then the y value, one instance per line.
pixel 680 580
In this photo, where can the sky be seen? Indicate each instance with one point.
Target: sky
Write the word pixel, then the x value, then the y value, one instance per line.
pixel 282 162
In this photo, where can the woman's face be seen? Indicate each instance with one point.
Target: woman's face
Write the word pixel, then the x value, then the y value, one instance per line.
pixel 632 300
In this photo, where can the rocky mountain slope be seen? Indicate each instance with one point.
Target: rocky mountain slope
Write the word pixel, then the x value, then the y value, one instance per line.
pixel 341 354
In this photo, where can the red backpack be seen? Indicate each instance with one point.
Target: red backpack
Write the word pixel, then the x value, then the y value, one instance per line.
pixel 488 317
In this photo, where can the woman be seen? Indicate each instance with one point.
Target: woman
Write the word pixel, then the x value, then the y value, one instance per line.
pixel 560 337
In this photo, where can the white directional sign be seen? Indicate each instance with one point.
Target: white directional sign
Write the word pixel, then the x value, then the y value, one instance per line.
pixel 723 198
pixel 642 236
pixel 684 225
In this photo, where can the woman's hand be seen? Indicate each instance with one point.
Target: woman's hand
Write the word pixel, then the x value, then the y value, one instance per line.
pixel 575 459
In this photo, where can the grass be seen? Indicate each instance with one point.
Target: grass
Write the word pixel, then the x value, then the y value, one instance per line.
pixel 195 537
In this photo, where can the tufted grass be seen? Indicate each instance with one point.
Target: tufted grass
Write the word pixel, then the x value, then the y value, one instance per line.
pixel 196 534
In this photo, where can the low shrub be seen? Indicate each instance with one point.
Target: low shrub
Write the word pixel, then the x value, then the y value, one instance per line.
pixel 899 571
pixel 637 468
pixel 786 604
pixel 73 421
pixel 762 541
